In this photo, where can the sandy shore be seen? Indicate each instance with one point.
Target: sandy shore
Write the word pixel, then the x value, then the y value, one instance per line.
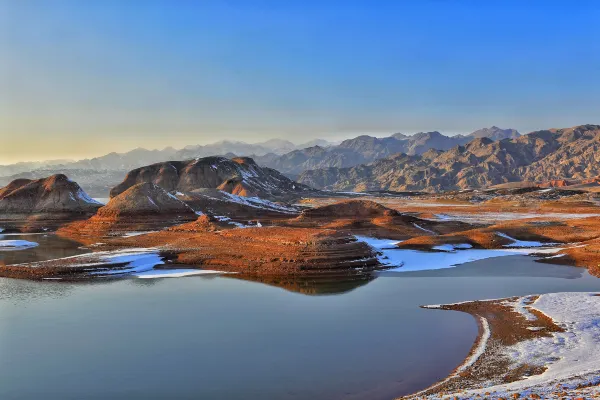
pixel 545 346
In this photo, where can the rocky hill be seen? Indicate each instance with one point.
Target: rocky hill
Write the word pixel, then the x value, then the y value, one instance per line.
pixel 98 174
pixel 366 149
pixel 43 204
pixel 238 176
pixel 495 133
pixel 55 194
pixel 144 206
pixel 538 156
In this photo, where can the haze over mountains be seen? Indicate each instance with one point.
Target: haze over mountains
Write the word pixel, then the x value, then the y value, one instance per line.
pixel 98 175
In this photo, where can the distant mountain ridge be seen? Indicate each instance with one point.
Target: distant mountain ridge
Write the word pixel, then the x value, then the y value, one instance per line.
pixel 538 156
pixel 97 175
pixel 365 149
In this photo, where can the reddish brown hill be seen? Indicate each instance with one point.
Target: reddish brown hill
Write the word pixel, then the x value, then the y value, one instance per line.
pixel 204 223
pixel 143 206
pixel 55 194
pixel 349 209
pixel 365 217
pixel 43 204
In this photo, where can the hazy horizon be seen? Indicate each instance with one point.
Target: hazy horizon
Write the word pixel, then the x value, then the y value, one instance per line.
pixel 82 79
pixel 335 138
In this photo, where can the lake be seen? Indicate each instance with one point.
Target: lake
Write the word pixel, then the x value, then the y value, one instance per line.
pixel 214 337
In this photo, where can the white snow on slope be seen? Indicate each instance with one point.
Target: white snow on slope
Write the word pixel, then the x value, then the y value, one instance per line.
pixel 570 353
pixel 571 357
pixel 138 260
pixel 520 305
pixel 491 217
pixel 522 243
pixel 452 247
pixel 257 202
pixel 378 243
pixel 137 233
pixel 83 196
pixel 13 245
pixel 425 230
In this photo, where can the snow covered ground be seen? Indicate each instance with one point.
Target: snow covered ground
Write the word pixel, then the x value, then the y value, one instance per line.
pixel 571 358
pixel 137 233
pixel 13 245
pixel 448 256
pixel 137 260
pixel 491 217
pixel 138 263
pixel 522 243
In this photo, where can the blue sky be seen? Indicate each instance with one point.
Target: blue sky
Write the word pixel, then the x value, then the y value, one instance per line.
pixel 82 78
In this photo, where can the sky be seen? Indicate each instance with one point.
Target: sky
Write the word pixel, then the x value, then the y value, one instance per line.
pixel 83 78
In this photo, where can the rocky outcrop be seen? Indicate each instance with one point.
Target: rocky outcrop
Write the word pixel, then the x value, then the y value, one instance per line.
pixel 368 218
pixel 43 204
pixel 238 208
pixel 539 156
pixel 204 223
pixel 239 176
pixel 55 194
pixel 358 209
pixel 144 206
pixel 365 149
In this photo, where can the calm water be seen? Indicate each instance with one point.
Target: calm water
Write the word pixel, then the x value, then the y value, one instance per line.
pixel 49 247
pixel 226 338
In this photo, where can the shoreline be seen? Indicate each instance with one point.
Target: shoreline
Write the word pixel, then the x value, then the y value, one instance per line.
pixel 503 362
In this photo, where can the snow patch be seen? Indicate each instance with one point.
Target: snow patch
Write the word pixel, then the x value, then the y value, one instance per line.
pixel 570 357
pixel 83 196
pixel 522 243
pixel 174 273
pixel 452 247
pixel 136 233
pixel 415 260
pixel 425 230
pixel 136 261
pixel 13 245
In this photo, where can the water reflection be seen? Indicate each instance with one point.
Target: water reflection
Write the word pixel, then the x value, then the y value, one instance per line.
pixel 312 285
pixel 50 247
pixel 507 266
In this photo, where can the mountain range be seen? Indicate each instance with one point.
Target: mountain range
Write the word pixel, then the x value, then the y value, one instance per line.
pixel 366 149
pixel 98 175
pixel 538 156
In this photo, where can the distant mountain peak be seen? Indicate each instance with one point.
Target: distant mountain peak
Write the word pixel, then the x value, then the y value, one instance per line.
pixel 495 133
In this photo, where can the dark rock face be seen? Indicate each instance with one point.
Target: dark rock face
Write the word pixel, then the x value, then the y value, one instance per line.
pixel 241 176
pixel 538 156
pixel 55 194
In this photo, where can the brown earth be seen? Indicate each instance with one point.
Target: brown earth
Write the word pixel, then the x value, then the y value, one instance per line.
pixel 369 218
pixel 144 206
pixel 43 204
pixel 507 327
